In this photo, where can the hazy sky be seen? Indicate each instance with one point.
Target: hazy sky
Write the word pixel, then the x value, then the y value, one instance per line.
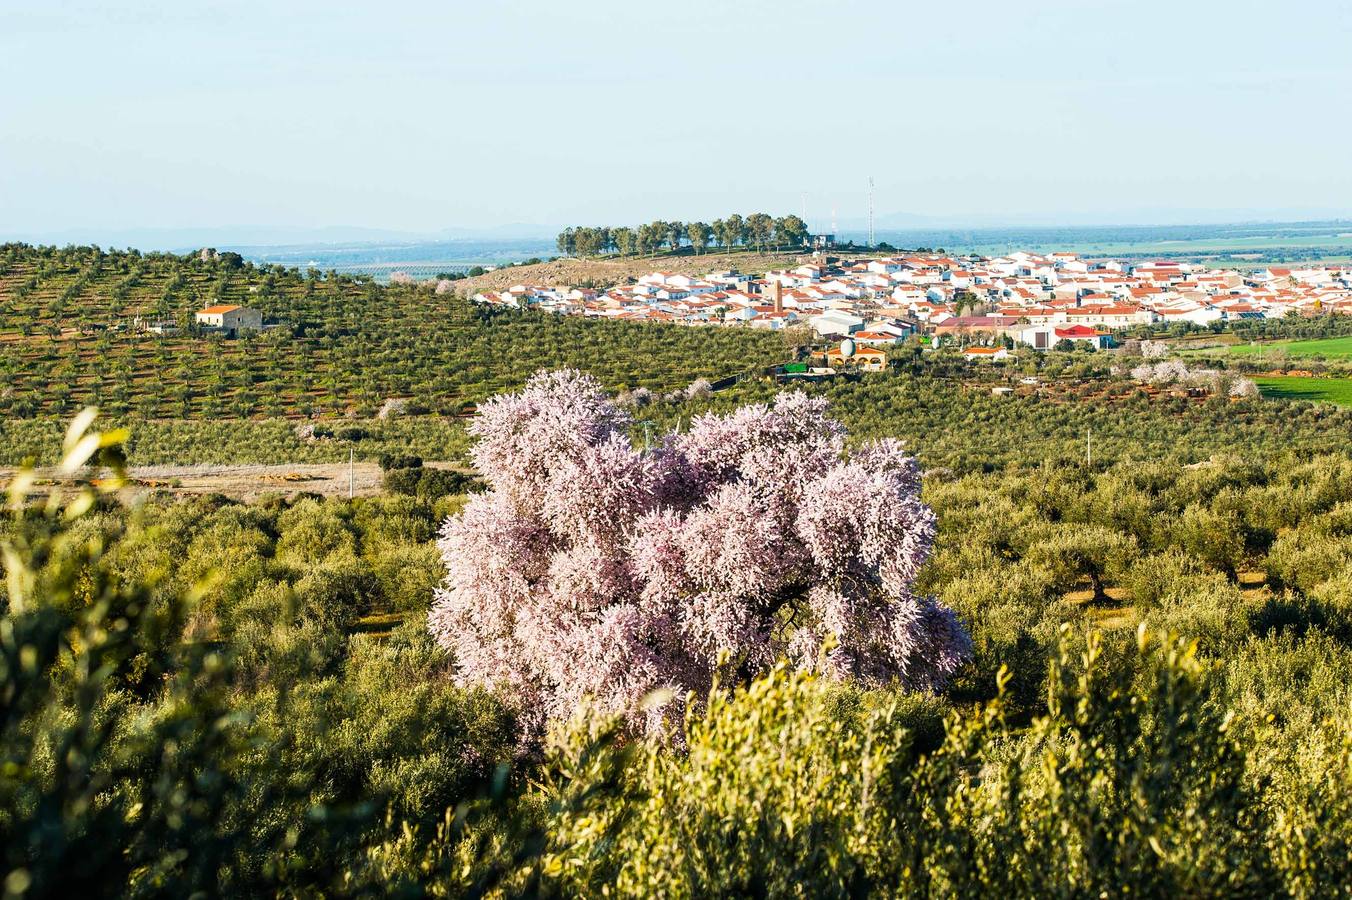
pixel 421 116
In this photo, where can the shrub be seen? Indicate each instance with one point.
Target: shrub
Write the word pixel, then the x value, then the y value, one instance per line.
pixel 429 483
pixel 390 461
pixel 1131 783
pixel 1306 558
pixel 403 479
pixel 441 482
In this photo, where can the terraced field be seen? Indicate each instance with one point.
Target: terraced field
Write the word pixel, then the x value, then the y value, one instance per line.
pixel 70 335
pixel 1290 387
pixel 1326 348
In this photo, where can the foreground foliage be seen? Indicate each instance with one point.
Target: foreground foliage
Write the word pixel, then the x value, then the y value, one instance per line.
pixel 183 706
pixel 1133 783
pixel 205 696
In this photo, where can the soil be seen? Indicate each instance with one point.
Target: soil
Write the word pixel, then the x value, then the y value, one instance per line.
pixel 604 273
pixel 248 482
pixel 245 482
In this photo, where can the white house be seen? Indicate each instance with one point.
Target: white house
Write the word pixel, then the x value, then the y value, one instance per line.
pixel 991 353
pixel 1045 337
pixel 230 319
pixel 878 338
pixel 1111 316
pixel 1197 314
pixel 835 322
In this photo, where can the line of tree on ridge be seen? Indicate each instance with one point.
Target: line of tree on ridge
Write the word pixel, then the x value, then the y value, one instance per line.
pixel 758 230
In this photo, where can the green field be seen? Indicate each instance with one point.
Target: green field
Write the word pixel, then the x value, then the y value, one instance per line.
pixel 1336 348
pixel 1329 348
pixel 1288 387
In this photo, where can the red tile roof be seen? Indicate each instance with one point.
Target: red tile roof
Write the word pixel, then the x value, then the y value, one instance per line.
pixel 1074 331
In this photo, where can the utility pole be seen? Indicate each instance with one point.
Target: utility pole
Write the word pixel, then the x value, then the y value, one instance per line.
pixel 349 472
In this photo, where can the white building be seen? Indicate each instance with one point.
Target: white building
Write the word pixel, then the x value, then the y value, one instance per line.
pixel 835 322
pixel 230 319
pixel 1046 337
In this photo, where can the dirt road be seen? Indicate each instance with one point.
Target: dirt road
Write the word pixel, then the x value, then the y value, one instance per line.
pixel 249 482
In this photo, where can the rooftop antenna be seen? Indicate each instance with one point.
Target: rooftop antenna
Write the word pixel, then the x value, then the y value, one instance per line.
pixel 870 211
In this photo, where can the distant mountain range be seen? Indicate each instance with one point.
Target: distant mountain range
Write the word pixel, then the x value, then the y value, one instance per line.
pixel 1145 218
pixel 339 244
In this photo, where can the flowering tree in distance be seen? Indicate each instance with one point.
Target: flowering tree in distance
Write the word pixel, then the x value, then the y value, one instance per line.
pixel 592 568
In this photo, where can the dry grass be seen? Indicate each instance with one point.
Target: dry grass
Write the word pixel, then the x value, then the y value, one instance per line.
pixel 1118 613
pixel 610 272
pixel 378 626
pixel 247 482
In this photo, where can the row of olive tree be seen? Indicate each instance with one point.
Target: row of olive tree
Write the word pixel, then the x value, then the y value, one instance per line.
pixel 342 345
pixel 204 696
pixel 758 230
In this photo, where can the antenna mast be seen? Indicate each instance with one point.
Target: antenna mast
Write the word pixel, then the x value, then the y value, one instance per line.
pixel 870 212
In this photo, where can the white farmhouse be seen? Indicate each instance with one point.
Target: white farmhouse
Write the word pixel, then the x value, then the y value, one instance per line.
pixel 230 319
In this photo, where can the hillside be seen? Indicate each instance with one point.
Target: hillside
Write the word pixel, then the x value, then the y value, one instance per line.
pixel 607 272
pixel 69 337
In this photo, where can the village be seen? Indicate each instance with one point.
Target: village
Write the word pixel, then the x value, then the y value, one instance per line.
pixel 985 305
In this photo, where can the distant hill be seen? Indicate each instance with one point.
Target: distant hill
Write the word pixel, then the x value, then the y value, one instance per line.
pixel 68 337
pixel 607 272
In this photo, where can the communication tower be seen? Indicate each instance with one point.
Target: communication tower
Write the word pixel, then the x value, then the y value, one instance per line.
pixel 870 211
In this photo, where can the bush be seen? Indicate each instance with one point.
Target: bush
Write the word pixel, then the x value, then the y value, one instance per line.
pixel 403 480
pixel 390 461
pixel 1130 783
pixel 419 481
pixel 441 482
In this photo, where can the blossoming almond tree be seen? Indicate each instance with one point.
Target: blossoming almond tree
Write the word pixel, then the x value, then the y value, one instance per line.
pixel 593 569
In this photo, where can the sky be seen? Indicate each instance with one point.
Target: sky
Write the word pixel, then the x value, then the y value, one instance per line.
pixel 419 117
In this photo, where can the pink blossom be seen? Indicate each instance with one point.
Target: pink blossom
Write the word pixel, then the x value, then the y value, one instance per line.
pixel 593 569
